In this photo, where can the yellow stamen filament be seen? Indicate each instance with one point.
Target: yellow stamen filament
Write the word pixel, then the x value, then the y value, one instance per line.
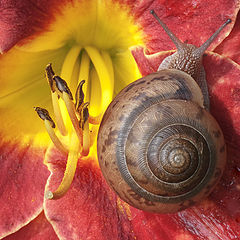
pixel 108 61
pixel 104 76
pixel 84 74
pixel 69 62
pixel 86 139
pixel 54 137
pixel 96 96
pixel 58 114
pixel 69 172
pixel 71 111
pixel 94 131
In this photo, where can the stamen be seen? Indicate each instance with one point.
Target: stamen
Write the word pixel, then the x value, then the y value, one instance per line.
pixel 84 73
pixel 71 111
pixel 104 77
pixel 85 127
pixel 49 75
pixel 50 125
pixel 54 137
pixel 79 96
pixel 57 112
pixel 62 86
pixel 69 172
pixel 67 97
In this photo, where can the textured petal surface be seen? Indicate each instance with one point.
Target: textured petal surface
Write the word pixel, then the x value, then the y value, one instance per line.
pixel 191 21
pixel 19 19
pixel 89 23
pixel 37 229
pixel 230 46
pixel 89 210
pixel 22 180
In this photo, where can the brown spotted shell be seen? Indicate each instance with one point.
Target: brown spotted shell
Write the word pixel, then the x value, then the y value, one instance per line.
pixel 158 148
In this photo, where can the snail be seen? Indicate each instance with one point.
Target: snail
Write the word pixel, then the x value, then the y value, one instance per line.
pixel 159 148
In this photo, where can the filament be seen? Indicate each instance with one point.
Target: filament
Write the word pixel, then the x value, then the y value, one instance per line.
pixel 104 76
pixel 86 139
pixel 69 173
pixel 58 114
pixel 71 111
pixel 54 137
pixel 69 62
pixel 84 73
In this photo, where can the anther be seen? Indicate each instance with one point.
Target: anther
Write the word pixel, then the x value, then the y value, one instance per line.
pixel 79 96
pixel 84 115
pixel 50 125
pixel 49 75
pixel 85 127
pixel 44 115
pixel 62 86
pixel 57 112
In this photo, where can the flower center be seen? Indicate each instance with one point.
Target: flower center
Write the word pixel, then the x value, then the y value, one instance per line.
pixel 88 73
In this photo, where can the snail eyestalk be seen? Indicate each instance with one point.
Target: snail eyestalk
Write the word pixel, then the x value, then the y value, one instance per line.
pixel 173 37
pixel 205 45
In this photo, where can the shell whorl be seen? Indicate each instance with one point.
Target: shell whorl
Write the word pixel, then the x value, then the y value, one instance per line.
pixel 163 152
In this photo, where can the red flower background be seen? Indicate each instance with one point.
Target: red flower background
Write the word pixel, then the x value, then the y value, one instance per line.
pixel 91 210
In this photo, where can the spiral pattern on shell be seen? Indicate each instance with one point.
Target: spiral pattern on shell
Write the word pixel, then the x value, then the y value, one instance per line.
pixel 158 148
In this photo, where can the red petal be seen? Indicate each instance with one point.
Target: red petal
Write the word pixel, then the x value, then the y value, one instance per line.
pixel 22 180
pixel 37 229
pixel 229 47
pixel 191 21
pixel 89 210
pixel 20 19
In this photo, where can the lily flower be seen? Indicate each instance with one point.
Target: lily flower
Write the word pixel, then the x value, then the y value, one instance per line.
pixel 68 60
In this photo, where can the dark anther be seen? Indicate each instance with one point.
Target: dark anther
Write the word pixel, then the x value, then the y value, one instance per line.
pixel 62 86
pixel 44 115
pixel 85 115
pixel 50 74
pixel 79 96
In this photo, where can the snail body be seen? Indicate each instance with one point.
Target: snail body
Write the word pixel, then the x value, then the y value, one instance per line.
pixel 159 148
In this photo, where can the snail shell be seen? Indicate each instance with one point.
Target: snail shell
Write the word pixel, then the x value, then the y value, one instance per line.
pixel 158 148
